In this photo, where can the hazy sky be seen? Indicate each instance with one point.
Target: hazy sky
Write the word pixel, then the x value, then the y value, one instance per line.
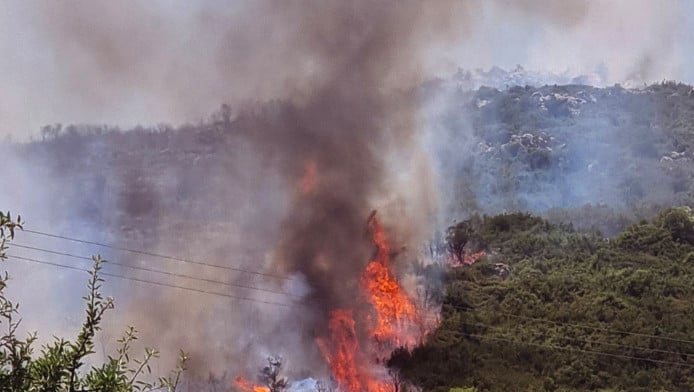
pixel 129 62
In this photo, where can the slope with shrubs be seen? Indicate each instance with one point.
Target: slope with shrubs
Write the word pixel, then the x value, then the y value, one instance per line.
pixel 553 309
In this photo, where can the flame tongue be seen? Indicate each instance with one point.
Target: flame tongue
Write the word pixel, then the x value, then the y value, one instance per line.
pixel 345 348
pixel 345 358
pixel 356 343
pixel 247 386
pixel 351 360
pixel 392 306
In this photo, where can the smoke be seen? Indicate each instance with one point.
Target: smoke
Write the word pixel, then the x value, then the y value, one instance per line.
pixel 348 116
pixel 343 77
pixel 154 61
pixel 325 128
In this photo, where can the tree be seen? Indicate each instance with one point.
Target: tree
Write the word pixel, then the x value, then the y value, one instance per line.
pixel 399 358
pixel 679 222
pixel 457 237
pixel 270 375
pixel 60 365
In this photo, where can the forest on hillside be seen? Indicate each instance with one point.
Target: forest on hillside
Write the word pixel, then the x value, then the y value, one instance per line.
pixel 551 308
pixel 596 157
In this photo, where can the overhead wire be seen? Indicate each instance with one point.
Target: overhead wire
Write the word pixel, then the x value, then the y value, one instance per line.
pixel 482 337
pixel 284 293
pixel 159 271
pixel 553 347
pixel 615 331
pixel 145 281
pixel 172 258
pixel 152 254
pixel 631 347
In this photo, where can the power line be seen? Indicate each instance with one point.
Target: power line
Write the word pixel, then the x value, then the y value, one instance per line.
pixel 32 260
pixel 592 341
pixel 578 325
pixel 552 347
pixel 152 254
pixel 147 269
pixel 172 258
pixel 27 259
pixel 287 294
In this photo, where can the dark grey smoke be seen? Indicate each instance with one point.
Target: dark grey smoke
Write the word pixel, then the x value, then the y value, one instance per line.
pixel 344 74
pixel 330 84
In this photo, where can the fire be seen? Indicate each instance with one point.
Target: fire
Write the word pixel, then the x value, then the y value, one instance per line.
pixel 391 304
pixel 350 359
pixel 246 386
pixel 342 356
pixel 345 358
pixel 361 336
pixel 468 259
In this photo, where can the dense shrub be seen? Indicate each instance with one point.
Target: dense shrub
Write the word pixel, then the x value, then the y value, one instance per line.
pixel 577 312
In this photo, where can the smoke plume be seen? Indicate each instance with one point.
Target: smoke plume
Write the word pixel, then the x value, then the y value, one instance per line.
pixel 324 128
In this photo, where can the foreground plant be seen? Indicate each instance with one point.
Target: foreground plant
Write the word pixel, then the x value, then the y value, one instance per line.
pixel 60 365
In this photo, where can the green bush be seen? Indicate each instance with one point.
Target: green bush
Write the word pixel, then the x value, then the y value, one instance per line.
pixel 679 222
pixel 60 365
pixel 539 327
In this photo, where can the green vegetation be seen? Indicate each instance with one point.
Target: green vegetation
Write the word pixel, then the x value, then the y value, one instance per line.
pixel 554 309
pixel 60 365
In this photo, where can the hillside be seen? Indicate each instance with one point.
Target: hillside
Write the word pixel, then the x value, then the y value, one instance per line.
pixel 589 163
pixel 553 309
pixel 538 149
pixel 554 149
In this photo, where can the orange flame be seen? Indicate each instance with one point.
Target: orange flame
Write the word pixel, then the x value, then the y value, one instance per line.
pixel 468 259
pixel 350 363
pixel 344 357
pixel 247 386
pixel 391 304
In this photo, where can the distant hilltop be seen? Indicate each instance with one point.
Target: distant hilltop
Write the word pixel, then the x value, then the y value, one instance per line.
pixel 502 79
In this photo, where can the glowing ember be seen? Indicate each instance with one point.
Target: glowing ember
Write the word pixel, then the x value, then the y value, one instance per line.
pixel 246 386
pixel 468 259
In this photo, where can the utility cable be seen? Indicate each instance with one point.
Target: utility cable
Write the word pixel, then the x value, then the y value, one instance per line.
pixel 590 341
pixel 616 331
pixel 152 254
pixel 159 271
pixel 552 347
pixel 125 277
